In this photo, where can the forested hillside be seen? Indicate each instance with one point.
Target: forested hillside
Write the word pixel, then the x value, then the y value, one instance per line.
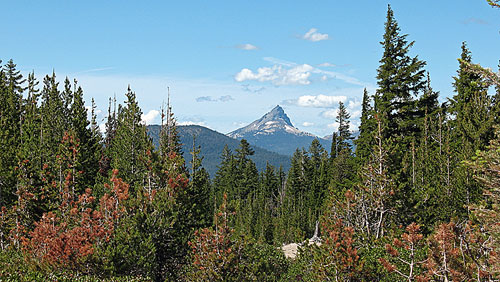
pixel 212 143
pixel 418 199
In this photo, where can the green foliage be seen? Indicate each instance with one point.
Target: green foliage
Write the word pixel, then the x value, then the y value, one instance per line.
pixel 131 145
pixel 11 88
pixel 365 142
pixel 67 213
pixel 219 254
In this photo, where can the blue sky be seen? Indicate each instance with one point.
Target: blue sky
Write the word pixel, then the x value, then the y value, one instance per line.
pixel 229 62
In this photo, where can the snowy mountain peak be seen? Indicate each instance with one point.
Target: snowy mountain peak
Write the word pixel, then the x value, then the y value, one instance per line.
pixel 275 121
pixel 277 114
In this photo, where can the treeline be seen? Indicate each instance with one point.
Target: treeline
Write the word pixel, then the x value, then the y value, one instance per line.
pixel 416 200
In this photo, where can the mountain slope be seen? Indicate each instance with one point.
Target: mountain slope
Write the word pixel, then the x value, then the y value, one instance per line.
pixel 275 132
pixel 212 143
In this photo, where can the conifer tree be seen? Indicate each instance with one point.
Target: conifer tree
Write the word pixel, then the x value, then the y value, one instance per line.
pixel 342 168
pixel 109 135
pixel 11 89
pixel 364 142
pixel 225 177
pixel 399 78
pixel 131 145
pixel 247 174
pixel 88 140
pixel 344 132
pixel 199 191
pixel 53 120
pixel 471 127
pixel 470 106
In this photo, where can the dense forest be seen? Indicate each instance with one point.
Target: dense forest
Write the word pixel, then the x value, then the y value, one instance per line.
pixel 416 200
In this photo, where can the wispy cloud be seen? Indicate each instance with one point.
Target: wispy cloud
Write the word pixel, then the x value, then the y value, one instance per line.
pixel 278 75
pixel 204 99
pixel 330 65
pixel 277 61
pixel 325 65
pixel 225 98
pixel 307 124
pixel 475 21
pixel 247 46
pixel 319 101
pixel 95 70
pixel 249 88
pixel 330 114
pixel 314 36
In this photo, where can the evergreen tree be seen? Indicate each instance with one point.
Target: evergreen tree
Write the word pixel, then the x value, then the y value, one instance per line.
pixel 400 79
pixel 470 106
pixel 11 89
pixel 344 132
pixel 225 177
pixel 88 140
pixel 131 145
pixel 199 191
pixel 247 174
pixel 53 120
pixel 365 142
pixel 109 135
pixel 471 127
pixel 342 169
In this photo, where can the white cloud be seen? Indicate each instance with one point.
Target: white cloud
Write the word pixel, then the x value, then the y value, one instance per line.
pixel 330 114
pixel 334 126
pixel 320 101
pixel 278 75
pixel 247 47
pixel 314 36
pixel 353 126
pixel 354 104
pixel 149 117
pixel 102 128
pixel 201 123
pixel 355 114
pixel 352 109
pixel 288 73
pixel 306 123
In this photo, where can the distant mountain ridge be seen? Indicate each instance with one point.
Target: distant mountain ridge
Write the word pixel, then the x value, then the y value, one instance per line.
pixel 275 132
pixel 212 143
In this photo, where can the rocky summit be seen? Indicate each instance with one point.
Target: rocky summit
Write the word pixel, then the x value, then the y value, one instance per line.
pixel 275 132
